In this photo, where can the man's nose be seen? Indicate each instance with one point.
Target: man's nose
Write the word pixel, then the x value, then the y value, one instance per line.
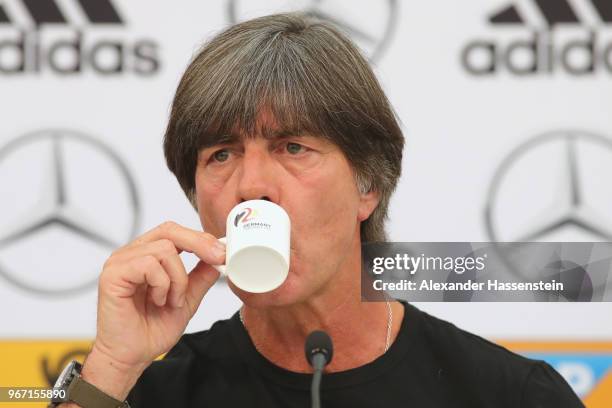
pixel 257 176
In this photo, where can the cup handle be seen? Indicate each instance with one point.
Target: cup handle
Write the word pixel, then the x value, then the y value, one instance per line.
pixel 221 268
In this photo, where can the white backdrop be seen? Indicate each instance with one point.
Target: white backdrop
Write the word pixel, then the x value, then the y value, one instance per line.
pixel 459 128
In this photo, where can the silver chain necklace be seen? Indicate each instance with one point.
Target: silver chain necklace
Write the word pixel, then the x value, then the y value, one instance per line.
pixel 389 323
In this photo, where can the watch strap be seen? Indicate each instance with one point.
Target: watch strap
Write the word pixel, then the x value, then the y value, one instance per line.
pixel 88 396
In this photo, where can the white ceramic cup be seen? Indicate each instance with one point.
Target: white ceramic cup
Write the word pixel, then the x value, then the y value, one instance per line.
pixel 257 246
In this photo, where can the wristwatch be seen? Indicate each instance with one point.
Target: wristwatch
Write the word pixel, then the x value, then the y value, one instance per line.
pixel 79 391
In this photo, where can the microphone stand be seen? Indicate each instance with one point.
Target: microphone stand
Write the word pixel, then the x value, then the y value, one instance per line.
pixel 318 362
pixel 319 351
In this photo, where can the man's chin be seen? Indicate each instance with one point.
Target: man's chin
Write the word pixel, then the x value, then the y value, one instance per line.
pixel 286 294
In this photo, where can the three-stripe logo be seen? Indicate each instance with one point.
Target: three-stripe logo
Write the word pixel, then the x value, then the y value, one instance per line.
pixel 48 12
pixel 554 12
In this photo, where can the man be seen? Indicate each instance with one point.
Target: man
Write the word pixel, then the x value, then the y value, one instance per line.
pixel 286 109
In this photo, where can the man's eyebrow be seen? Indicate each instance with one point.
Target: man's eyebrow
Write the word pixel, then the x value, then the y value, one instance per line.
pixel 212 140
pixel 267 133
pixel 279 134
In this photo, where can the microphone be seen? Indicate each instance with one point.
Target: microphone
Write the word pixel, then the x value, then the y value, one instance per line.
pixel 319 352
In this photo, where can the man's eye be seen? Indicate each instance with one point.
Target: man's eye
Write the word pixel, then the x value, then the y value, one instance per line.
pixel 294 148
pixel 220 155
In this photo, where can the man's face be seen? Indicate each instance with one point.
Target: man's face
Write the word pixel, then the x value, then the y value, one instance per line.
pixel 306 175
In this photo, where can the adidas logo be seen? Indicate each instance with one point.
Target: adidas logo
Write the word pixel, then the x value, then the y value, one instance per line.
pixel 69 37
pixel 546 49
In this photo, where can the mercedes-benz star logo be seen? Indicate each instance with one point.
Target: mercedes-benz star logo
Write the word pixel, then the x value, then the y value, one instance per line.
pixel 370 24
pixel 551 188
pixel 553 181
pixel 72 200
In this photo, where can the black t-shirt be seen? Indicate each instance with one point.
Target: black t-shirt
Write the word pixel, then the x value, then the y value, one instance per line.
pixel 432 363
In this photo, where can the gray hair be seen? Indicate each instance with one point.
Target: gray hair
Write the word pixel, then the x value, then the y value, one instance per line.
pixel 311 77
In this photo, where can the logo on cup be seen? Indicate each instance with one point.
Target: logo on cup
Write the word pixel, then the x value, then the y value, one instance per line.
pixel 246 215
pixel 246 218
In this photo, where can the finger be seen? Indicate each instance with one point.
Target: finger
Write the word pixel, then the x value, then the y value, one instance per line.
pixel 201 278
pixel 173 265
pixel 204 245
pixel 167 255
pixel 147 270
pixel 160 249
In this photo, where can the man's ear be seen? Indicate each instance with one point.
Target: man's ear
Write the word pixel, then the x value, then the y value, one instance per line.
pixel 367 204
